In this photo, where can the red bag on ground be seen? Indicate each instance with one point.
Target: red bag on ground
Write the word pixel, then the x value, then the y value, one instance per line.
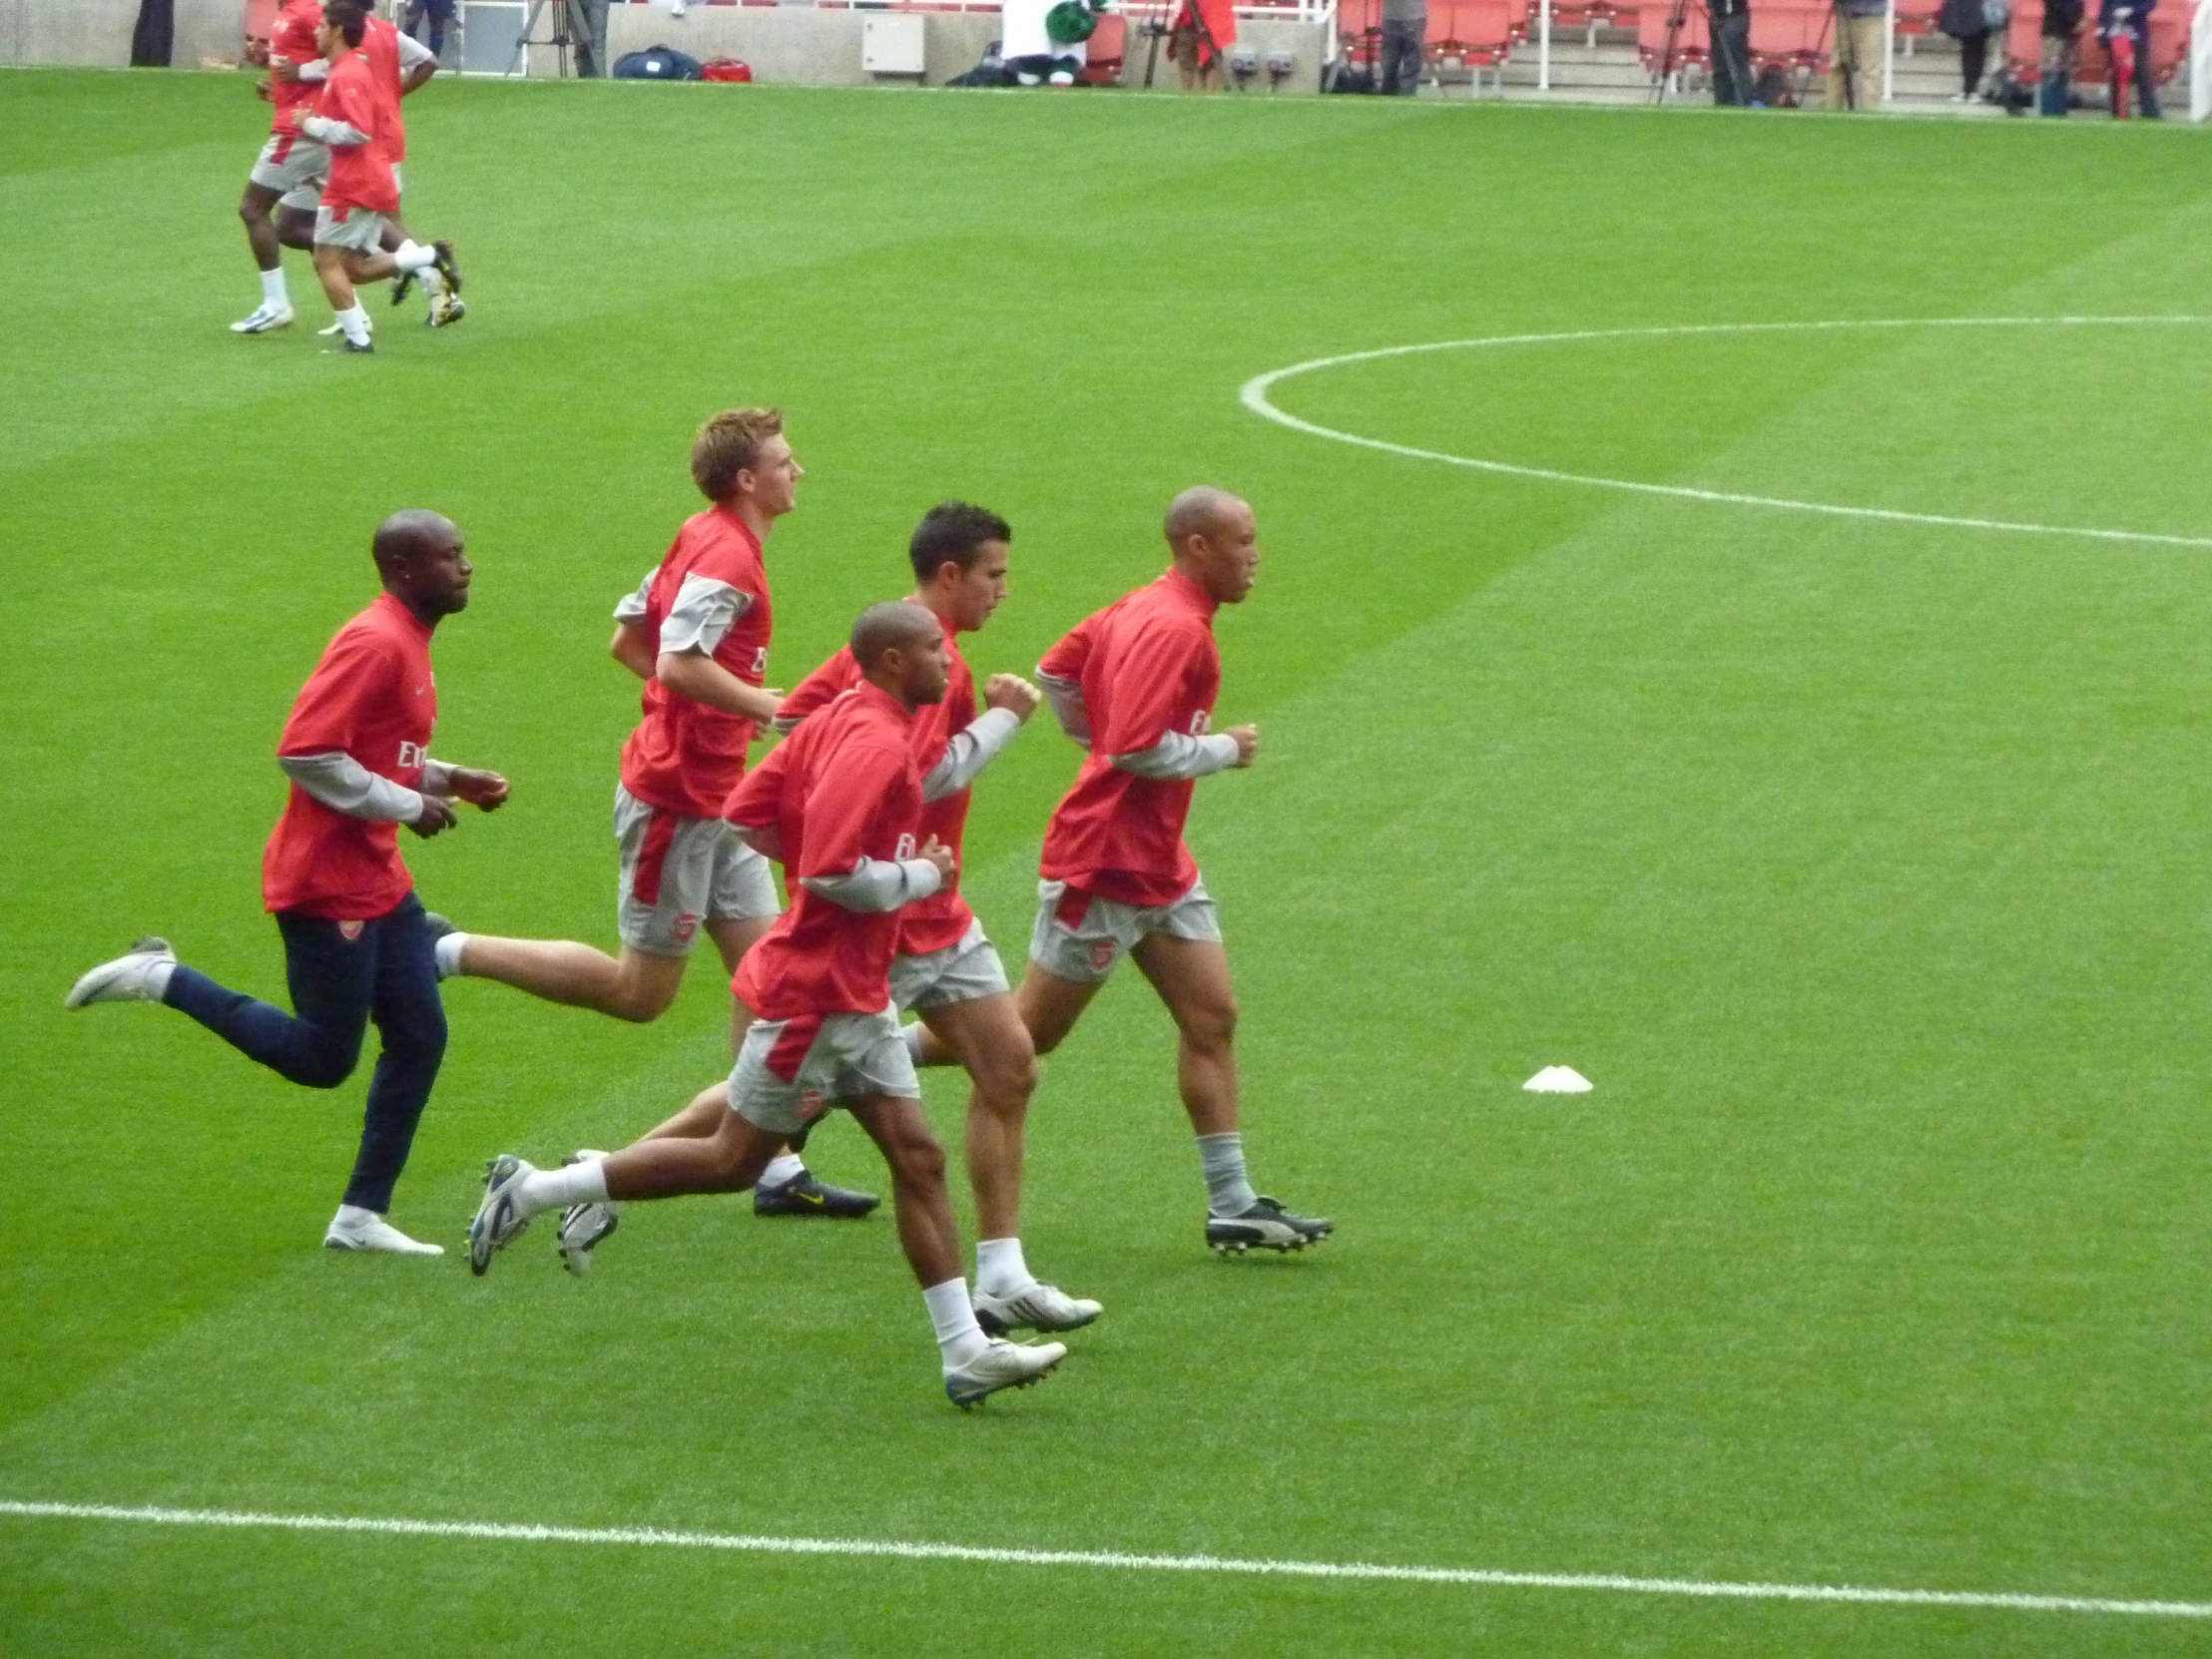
pixel 726 69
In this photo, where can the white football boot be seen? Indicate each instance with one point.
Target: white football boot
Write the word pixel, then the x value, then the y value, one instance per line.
pixel 1037 1305
pixel 1003 1364
pixel 497 1222
pixel 266 319
pixel 585 1227
pixel 353 1227
pixel 128 978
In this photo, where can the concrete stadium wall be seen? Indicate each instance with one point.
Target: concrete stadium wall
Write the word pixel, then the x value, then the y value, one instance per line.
pixel 800 45
pixel 790 43
pixel 96 34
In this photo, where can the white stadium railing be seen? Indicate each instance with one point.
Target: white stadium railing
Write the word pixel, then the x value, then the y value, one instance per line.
pixel 2200 62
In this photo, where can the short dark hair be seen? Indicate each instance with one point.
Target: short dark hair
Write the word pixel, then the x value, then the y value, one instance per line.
pixel 953 532
pixel 350 20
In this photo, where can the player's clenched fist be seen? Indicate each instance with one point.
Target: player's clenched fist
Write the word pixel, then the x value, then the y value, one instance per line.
pixel 1248 743
pixel 485 790
pixel 1012 693
pixel 941 855
pixel 436 814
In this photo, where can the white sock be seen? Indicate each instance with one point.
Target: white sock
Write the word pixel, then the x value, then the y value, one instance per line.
pixel 999 1269
pixel 273 290
pixel 448 952
pixel 1227 1188
pixel 959 1338
pixel 354 322
pixel 911 1034
pixel 352 1215
pixel 783 1169
pixel 557 1189
pixel 157 980
pixel 412 255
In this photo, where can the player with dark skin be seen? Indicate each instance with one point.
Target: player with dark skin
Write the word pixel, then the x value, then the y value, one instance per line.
pixel 295 227
pixel 902 650
pixel 1215 541
pixel 423 561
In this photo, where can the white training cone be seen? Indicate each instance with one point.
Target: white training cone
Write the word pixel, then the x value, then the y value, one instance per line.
pixel 1558 1080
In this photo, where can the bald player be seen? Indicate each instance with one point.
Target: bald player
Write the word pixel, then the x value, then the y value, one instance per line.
pixel 358 753
pixel 1135 686
pixel 816 992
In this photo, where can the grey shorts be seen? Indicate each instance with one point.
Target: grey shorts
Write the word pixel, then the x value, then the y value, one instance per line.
pixel 963 972
pixel 359 229
pixel 680 872
pixel 1084 947
pixel 833 1059
pixel 299 177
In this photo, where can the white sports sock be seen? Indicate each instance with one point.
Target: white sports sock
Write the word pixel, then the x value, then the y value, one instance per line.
pixel 959 1338
pixel 354 322
pixel 557 1189
pixel 448 952
pixel 273 290
pixel 783 1169
pixel 412 255
pixel 1228 1189
pixel 352 1215
pixel 157 980
pixel 999 1269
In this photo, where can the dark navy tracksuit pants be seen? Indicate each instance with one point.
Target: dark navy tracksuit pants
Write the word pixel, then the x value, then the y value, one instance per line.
pixel 385 974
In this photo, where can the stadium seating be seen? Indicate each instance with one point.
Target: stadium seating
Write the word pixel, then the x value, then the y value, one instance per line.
pixel 1479 34
pixel 1914 19
pixel 1693 41
pixel 1109 46
pixel 1795 34
pixel 1359 32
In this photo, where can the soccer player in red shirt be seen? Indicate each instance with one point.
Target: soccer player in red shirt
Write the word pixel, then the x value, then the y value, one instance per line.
pixel 817 987
pixel 1135 684
pixel 358 753
pixel 399 66
pixel 362 199
pixel 947 969
pixel 288 177
pixel 697 631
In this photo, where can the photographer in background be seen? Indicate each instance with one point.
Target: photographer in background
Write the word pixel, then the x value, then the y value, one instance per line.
pixel 1970 23
pixel 1732 77
pixel 1855 66
pixel 1404 46
pixel 2061 23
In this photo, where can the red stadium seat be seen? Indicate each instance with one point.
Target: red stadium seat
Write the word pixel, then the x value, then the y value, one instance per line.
pixel 1109 45
pixel 1477 33
pixel 1693 41
pixel 1360 31
pixel 1792 33
pixel 2023 41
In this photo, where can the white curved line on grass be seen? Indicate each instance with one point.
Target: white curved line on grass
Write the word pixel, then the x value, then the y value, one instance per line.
pixel 1255 397
pixel 895 1549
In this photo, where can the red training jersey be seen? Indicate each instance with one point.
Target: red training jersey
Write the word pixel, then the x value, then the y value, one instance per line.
pixel 380 46
pixel 1148 666
pixel 294 38
pixel 852 778
pixel 371 697
pixel 941 920
pixel 711 591
pixel 361 173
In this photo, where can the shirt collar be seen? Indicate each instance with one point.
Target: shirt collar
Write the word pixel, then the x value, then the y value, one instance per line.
pixel 869 691
pixel 1196 597
pixel 398 607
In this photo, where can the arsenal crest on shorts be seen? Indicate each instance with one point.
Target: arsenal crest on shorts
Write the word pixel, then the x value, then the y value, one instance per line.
pixel 812 1105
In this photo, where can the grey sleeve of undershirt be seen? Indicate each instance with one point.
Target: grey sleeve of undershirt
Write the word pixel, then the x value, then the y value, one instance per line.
pixel 878 885
pixel 323 129
pixel 344 784
pixel 631 607
pixel 969 751
pixel 1066 698
pixel 1181 757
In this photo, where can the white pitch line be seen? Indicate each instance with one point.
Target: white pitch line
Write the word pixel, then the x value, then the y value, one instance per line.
pixel 895 1549
pixel 1255 397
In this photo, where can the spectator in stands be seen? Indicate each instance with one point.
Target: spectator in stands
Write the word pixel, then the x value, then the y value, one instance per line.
pixel 2132 19
pixel 1202 32
pixel 1857 53
pixel 2061 23
pixel 1732 79
pixel 1405 45
pixel 1968 23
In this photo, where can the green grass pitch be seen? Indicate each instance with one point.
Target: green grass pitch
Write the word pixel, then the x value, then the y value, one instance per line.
pixel 1859 863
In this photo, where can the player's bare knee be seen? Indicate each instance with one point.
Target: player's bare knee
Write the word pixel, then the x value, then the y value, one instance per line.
pixel 1007 1082
pixel 916 1159
pixel 1208 1025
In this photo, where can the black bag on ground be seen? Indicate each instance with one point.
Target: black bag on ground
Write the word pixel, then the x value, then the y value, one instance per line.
pixel 658 63
pixel 992 71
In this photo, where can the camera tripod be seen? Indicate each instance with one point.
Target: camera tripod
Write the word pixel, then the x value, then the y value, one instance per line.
pixel 571 28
